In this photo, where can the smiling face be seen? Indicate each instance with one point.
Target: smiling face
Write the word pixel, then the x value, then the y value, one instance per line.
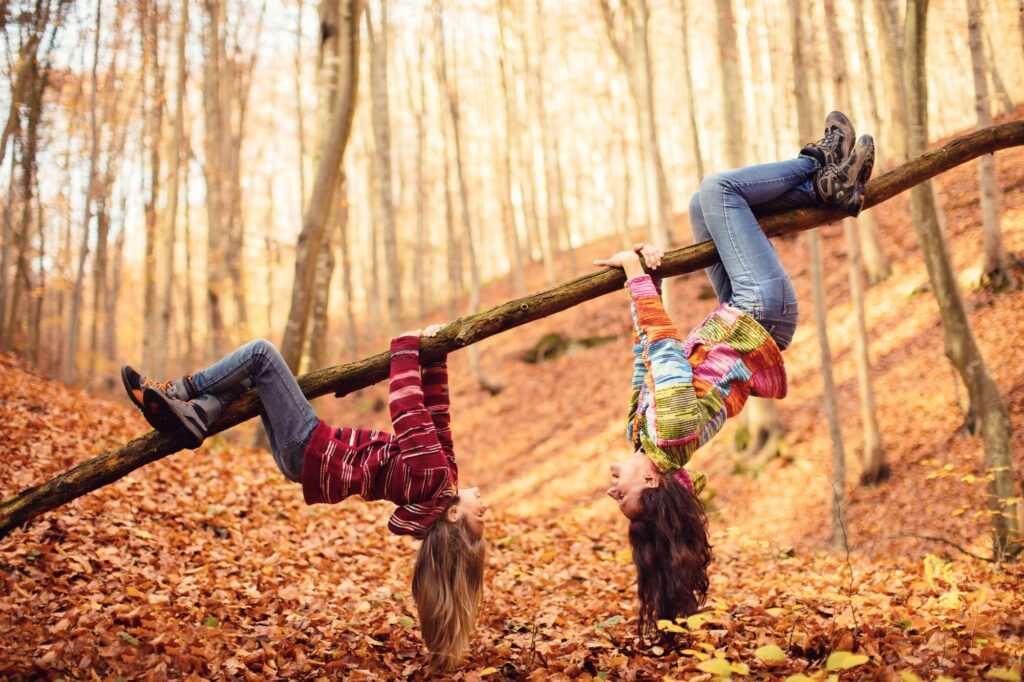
pixel 470 507
pixel 630 478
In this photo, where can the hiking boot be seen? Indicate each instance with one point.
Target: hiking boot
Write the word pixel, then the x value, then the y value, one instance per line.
pixel 837 143
pixel 189 420
pixel 842 184
pixel 135 385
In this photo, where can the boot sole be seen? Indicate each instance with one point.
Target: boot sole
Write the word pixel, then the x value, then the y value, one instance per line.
pixel 184 426
pixel 856 202
pixel 155 419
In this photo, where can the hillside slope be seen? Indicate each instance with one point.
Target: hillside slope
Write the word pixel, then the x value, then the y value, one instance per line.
pixel 207 563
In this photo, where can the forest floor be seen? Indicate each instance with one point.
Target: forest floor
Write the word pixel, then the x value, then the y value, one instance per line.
pixel 207 564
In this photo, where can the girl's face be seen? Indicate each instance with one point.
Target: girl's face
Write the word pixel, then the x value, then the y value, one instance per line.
pixel 472 508
pixel 630 478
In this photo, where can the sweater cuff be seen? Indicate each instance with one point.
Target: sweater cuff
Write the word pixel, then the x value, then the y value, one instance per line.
pixel 404 343
pixel 642 286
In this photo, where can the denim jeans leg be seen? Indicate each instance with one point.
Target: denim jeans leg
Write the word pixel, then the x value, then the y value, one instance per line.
pixel 289 417
pixel 761 287
pixel 716 273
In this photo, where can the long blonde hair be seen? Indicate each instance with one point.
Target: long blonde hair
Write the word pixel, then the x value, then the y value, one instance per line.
pixel 447 583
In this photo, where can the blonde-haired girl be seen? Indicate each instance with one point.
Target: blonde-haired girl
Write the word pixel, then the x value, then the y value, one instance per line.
pixel 414 467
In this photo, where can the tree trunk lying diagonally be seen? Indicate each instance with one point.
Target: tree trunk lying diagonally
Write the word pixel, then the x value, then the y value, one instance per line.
pixel 470 329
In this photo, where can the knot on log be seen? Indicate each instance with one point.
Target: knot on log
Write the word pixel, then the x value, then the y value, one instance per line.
pixel 524 306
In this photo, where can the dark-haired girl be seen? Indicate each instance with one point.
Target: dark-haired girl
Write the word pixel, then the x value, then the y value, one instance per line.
pixel 684 388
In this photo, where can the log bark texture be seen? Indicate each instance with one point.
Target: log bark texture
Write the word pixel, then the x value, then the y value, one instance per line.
pixel 343 379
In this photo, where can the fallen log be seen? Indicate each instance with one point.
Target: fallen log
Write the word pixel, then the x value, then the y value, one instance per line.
pixel 343 379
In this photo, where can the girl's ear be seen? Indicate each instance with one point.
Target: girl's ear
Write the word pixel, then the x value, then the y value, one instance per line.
pixel 452 515
pixel 651 480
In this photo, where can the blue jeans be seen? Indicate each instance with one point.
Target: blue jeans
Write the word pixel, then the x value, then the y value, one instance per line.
pixel 287 416
pixel 749 275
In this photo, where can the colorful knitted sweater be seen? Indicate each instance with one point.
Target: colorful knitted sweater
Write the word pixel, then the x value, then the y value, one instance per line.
pixel 683 390
pixel 414 467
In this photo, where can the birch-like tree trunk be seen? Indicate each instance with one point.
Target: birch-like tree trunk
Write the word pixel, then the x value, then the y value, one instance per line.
pixel 154 340
pixel 988 412
pixel 806 125
pixel 558 219
pixel 83 254
pixel 871 449
pixel 450 95
pixel 418 105
pixel 351 332
pixel 508 213
pixel 732 84
pixel 993 270
pixel 165 270
pixel 691 103
pixel 378 39
pixel 325 185
pixel 877 263
pixel 213 171
pixel 628 34
pixel 889 36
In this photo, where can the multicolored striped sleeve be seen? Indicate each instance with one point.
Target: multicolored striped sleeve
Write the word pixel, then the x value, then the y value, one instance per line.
pixel 670 420
pixel 437 401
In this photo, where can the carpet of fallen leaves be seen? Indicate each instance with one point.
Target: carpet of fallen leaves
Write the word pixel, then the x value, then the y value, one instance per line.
pixel 208 565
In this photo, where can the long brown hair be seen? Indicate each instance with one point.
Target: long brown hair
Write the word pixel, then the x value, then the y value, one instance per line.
pixel 671 553
pixel 447 583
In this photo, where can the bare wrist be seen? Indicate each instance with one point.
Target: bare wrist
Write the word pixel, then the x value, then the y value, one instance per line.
pixel 632 267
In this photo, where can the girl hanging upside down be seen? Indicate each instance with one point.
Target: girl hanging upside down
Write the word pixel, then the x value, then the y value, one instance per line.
pixel 685 388
pixel 414 467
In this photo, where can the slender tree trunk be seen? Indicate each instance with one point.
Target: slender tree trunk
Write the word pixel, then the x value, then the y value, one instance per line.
pixel 558 219
pixel 7 250
pixel 732 83
pixel 325 186
pixel 871 453
pixel 165 274
pixel 691 104
pixel 533 155
pixel 190 313
pixel 634 55
pixel 877 264
pixel 351 333
pixel 318 352
pixel 382 146
pixel 451 96
pixel 1001 93
pixel 838 478
pixel 418 106
pixel 99 279
pixel 214 170
pixel 993 271
pixel 76 294
pixel 643 88
pixel 888 35
pixel 299 117
pixel 988 412
pixel 29 144
pixel 154 338
pixel 801 74
pixel 508 213
pixel 113 296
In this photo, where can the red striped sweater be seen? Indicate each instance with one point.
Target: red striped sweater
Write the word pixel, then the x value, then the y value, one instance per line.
pixel 414 467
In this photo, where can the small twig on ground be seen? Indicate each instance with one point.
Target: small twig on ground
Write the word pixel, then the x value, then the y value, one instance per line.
pixel 945 541
pixel 846 546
